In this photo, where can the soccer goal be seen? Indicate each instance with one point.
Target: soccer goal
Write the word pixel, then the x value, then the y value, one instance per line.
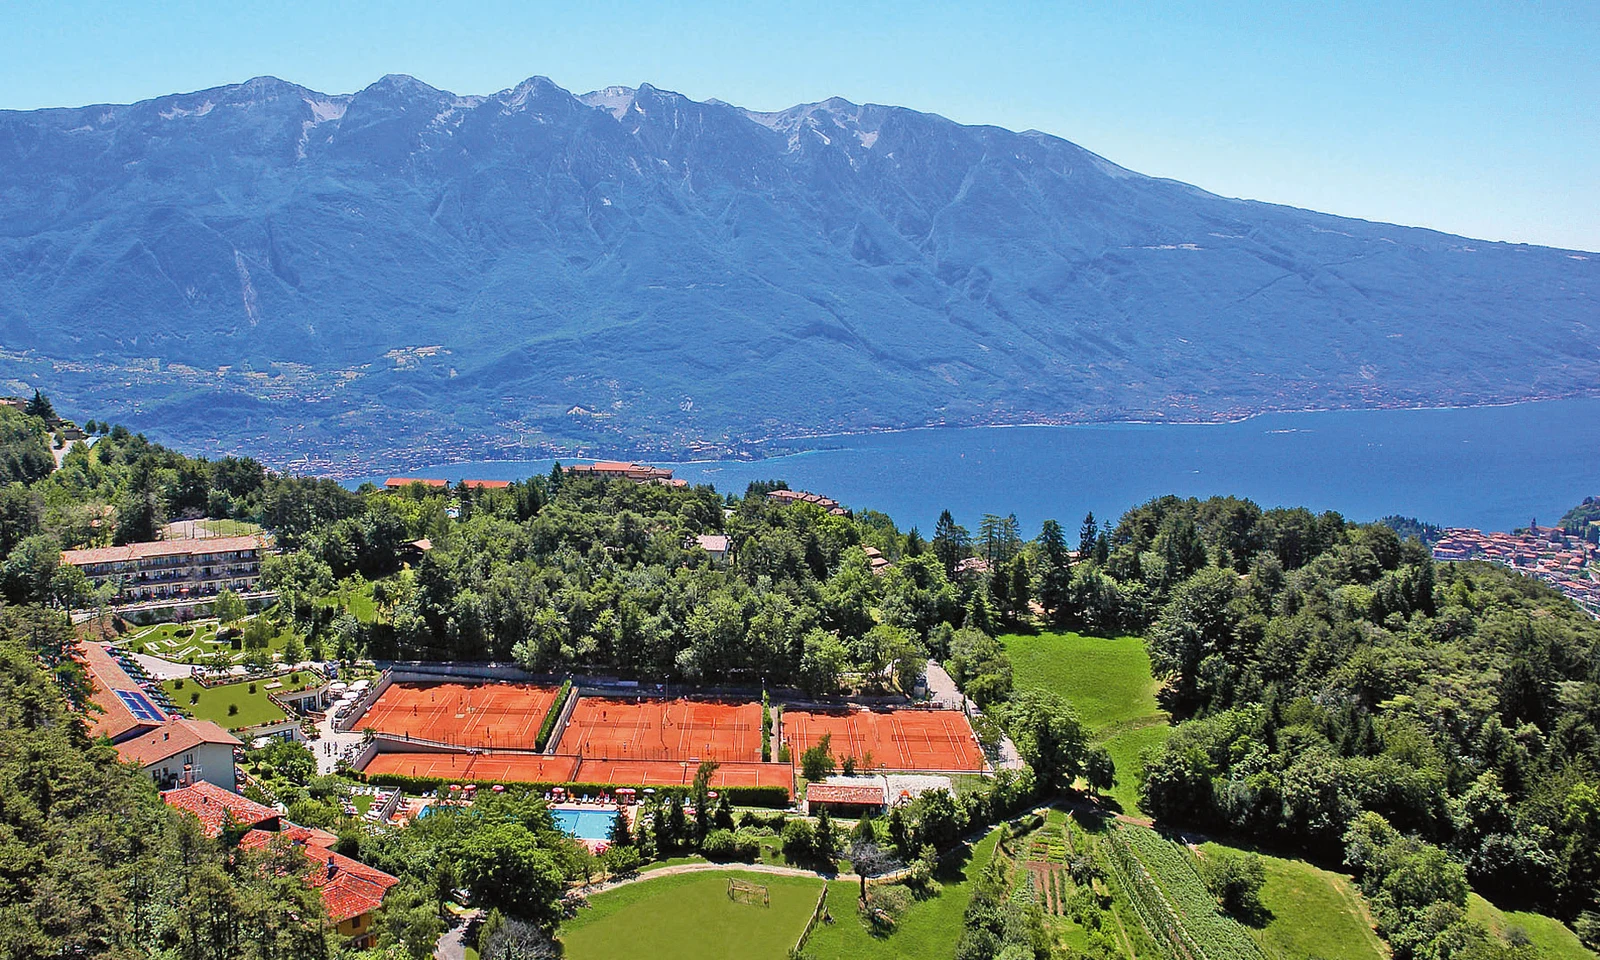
pixel 742 891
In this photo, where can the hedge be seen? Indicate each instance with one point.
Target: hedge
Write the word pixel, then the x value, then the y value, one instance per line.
pixel 775 797
pixel 551 716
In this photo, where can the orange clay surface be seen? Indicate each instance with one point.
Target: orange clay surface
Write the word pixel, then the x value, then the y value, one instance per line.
pixel 538 768
pixel 894 739
pixel 466 715
pixel 507 767
pixel 604 728
pixel 681 773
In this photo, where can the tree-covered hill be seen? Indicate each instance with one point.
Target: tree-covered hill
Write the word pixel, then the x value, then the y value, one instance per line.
pixel 1336 693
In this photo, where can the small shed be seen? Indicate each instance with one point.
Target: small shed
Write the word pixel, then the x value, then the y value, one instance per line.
pixel 849 800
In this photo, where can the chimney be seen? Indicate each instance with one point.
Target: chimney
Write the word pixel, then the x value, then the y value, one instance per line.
pixel 333 868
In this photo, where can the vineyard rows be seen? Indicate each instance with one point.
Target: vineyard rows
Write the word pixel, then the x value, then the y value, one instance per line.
pixel 1171 900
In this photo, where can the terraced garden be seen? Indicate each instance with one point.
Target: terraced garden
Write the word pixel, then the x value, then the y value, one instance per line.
pixel 1160 880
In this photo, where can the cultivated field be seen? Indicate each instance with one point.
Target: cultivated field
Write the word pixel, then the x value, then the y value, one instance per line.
pixel 888 739
pixel 465 715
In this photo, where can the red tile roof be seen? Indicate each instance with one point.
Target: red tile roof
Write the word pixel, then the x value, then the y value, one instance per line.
pixel 209 803
pixel 162 548
pixel 349 887
pixel 293 832
pixel 174 737
pixel 395 483
pixel 845 793
pixel 106 677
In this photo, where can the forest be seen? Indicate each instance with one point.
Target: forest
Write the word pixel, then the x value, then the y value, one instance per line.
pixel 1337 694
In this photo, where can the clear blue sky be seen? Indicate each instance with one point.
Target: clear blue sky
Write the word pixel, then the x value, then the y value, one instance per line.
pixel 1480 118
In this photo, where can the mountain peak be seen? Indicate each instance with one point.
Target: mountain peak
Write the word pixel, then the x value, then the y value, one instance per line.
pixel 857 266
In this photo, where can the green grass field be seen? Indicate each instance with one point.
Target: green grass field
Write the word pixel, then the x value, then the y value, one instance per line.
pixel 689 916
pixel 929 930
pixel 353 598
pixel 1313 913
pixel 1107 680
pixel 254 708
pixel 1553 939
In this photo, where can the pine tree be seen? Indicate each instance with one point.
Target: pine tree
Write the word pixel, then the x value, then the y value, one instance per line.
pixel 1088 538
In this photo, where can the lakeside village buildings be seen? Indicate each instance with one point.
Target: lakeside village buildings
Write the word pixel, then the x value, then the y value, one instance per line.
pixel 1564 560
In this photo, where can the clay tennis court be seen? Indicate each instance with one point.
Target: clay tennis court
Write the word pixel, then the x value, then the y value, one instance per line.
pixel 606 728
pixel 667 773
pixel 540 768
pixel 895 739
pixel 491 767
pixel 467 715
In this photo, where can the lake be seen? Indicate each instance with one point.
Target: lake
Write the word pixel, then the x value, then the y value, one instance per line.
pixel 1488 467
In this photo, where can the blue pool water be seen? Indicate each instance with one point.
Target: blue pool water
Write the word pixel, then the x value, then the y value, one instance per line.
pixel 584 824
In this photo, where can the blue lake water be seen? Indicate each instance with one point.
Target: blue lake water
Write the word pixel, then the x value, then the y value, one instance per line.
pixel 584 824
pixel 1488 467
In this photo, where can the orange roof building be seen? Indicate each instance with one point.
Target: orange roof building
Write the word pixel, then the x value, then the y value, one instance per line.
pixel 125 711
pixel 352 892
pixel 173 569
pixel 212 805
pixel 619 469
pixel 183 751
pixel 845 797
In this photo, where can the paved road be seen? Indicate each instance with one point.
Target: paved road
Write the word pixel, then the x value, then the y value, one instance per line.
pixel 452 944
pixel 162 669
pixel 676 869
pixel 331 744
pixel 941 686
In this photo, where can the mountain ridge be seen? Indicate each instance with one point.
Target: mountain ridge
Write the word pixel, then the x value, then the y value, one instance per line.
pixel 404 272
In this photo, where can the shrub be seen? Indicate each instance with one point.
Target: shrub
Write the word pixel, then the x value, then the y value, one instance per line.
pixel 621 860
pixel 727 845
pixel 233 708
pixel 799 841
pixel 194 698
pixel 885 904
pixel 816 762
pixel 252 687
pixel 1234 880
pixel 550 717
pixel 177 684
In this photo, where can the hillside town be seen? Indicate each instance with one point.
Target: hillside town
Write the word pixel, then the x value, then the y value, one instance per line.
pixel 1559 557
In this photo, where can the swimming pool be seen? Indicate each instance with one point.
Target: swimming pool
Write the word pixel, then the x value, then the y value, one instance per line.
pixel 584 824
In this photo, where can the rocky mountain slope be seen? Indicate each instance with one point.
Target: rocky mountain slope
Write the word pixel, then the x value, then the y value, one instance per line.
pixel 403 272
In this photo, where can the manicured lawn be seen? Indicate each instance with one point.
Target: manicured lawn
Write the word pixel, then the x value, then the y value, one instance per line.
pixel 1108 682
pixel 689 916
pixel 928 931
pixel 254 708
pixel 197 646
pixel 1553 939
pixel 1313 913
